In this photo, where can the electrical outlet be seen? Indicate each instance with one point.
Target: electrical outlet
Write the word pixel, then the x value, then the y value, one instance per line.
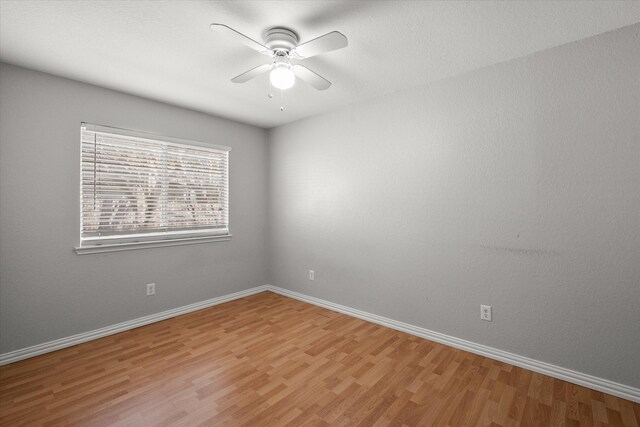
pixel 485 313
pixel 312 275
pixel 151 289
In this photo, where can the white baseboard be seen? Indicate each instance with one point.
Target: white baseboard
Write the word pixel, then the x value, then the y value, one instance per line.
pixel 595 383
pixel 58 344
pixel 600 384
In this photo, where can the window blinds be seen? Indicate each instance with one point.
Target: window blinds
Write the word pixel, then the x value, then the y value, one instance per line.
pixel 138 186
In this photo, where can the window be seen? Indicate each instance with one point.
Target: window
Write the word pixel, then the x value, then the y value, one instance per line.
pixel 141 190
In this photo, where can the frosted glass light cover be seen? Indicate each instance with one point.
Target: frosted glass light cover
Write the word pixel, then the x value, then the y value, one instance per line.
pixel 282 78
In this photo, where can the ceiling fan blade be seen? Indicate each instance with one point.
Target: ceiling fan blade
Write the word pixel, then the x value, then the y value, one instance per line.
pixel 330 41
pixel 254 72
pixel 311 77
pixel 230 33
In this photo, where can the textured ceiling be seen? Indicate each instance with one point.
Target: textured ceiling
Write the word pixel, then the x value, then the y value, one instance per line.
pixel 164 50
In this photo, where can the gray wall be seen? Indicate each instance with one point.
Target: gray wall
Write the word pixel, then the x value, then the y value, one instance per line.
pixel 49 292
pixel 516 186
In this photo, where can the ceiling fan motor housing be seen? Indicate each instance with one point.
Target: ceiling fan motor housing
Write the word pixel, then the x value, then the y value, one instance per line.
pixel 281 39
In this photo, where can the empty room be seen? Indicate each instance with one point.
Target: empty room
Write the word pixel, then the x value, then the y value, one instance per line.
pixel 319 213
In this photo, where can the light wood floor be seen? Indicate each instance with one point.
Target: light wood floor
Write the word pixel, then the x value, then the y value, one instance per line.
pixel 271 360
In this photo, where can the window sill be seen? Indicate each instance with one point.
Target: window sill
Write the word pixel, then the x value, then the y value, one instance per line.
pixel 130 246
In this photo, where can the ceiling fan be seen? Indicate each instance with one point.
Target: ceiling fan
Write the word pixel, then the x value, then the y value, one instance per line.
pixel 282 45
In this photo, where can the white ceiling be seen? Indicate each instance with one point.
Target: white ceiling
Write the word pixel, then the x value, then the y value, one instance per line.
pixel 164 50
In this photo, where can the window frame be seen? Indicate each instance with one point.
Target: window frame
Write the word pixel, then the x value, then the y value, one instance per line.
pixel 133 240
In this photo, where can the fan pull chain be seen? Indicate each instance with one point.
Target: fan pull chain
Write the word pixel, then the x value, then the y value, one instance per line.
pixel 281 100
pixel 270 96
pixel 269 87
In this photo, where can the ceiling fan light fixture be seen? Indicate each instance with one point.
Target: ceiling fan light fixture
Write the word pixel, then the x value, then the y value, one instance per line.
pixel 282 77
pixel 282 45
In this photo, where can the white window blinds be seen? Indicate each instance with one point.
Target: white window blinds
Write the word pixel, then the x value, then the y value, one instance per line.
pixel 137 187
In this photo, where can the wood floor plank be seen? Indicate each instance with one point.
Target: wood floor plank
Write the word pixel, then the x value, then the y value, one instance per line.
pixel 268 360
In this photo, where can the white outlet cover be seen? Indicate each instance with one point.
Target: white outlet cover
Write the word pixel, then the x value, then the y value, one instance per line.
pixel 151 289
pixel 485 312
pixel 312 275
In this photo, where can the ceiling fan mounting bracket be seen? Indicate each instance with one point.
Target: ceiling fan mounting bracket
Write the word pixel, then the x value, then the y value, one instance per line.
pixel 280 39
